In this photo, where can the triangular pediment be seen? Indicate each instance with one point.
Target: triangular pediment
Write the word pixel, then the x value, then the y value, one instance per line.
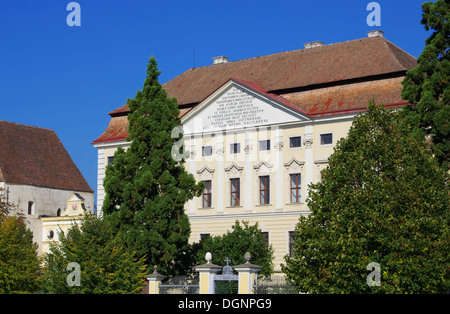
pixel 205 173
pixel 263 167
pixel 76 197
pixel 238 104
pixel 75 205
pixel 233 169
pixel 294 164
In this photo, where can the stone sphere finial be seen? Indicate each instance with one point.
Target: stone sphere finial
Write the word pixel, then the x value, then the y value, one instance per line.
pixel 247 256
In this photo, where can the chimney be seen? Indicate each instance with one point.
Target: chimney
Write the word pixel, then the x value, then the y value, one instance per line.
pixel 313 44
pixel 220 59
pixel 375 33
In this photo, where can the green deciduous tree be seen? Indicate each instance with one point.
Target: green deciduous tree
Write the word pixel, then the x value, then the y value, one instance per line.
pixel 383 199
pixel 106 266
pixel 234 244
pixel 427 86
pixel 146 188
pixel 20 270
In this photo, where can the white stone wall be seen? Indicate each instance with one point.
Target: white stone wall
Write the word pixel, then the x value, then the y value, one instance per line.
pixel 46 201
pixel 105 150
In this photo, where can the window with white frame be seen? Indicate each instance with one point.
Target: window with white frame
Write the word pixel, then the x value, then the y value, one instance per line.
pixel 295 141
pixel 295 187
pixel 264 145
pixel 235 191
pixel 207 194
pixel 264 190
pixel 291 243
pixel 326 139
pixel 206 150
pixel 235 148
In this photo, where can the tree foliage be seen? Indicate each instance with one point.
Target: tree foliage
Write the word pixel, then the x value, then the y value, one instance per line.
pixel 20 270
pixel 146 188
pixel 106 265
pixel 383 199
pixel 427 87
pixel 234 244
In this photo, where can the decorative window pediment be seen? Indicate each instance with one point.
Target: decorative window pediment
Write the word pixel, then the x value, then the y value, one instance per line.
pixel 234 170
pixel 263 167
pixel 205 173
pixel 294 165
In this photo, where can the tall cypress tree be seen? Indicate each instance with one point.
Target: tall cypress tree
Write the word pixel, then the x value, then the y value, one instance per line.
pixel 146 188
pixel 427 86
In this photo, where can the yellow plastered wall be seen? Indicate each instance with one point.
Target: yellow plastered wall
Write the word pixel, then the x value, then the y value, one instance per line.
pixel 204 283
pixel 278 228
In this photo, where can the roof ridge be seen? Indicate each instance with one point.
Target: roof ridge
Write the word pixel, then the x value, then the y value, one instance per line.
pixel 27 126
pixel 50 165
pixel 394 53
pixel 291 51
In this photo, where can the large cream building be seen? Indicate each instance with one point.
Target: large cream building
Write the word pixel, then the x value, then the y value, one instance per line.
pixel 260 130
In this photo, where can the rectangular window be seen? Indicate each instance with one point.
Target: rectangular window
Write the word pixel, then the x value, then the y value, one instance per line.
pixel 207 194
pixel 265 235
pixel 295 188
pixel 264 145
pixel 264 190
pixel 235 148
pixel 291 243
pixel 235 191
pixel 110 160
pixel 204 236
pixel 326 139
pixel 295 141
pixel 206 150
pixel 30 207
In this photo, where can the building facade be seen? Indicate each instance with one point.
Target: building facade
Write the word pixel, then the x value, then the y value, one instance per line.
pixel 52 226
pixel 37 174
pixel 258 131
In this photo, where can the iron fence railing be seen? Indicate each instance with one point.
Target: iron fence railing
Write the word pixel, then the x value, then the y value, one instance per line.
pixel 178 289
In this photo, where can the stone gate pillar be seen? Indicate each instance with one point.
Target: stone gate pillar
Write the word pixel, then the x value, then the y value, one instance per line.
pixel 207 272
pixel 154 280
pixel 248 276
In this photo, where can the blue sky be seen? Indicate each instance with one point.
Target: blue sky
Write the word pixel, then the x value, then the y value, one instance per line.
pixel 68 78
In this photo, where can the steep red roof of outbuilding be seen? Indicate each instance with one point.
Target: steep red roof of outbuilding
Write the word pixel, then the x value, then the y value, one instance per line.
pixel 35 156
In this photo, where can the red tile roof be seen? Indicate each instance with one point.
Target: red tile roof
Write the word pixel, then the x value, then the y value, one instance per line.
pixel 117 129
pixel 348 97
pixel 330 79
pixel 273 96
pixel 338 62
pixel 35 156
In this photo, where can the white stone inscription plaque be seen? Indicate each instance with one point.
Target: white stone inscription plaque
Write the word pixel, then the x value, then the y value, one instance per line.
pixel 237 108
